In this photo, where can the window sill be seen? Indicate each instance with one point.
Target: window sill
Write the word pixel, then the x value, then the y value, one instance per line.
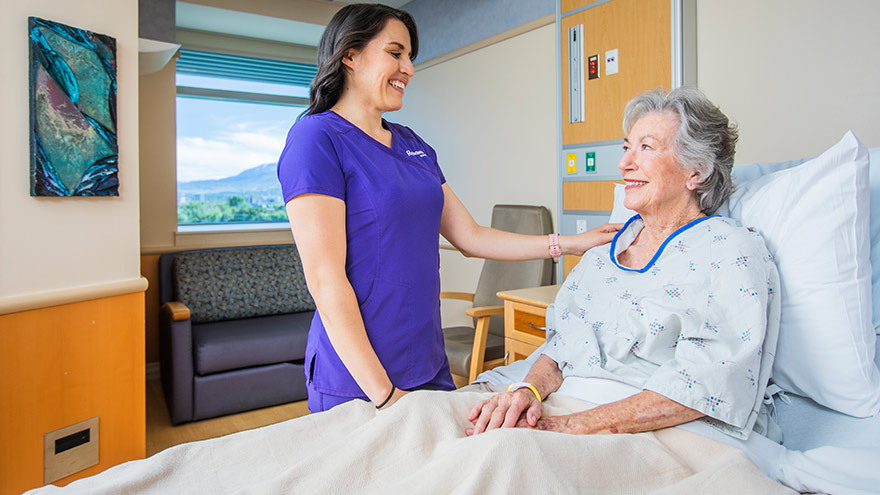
pixel 207 236
pixel 232 227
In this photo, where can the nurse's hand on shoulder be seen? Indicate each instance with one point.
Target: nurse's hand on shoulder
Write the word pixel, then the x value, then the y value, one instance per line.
pixel 394 398
pixel 581 243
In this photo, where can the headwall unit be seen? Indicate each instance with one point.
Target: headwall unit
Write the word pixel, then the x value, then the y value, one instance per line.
pixel 609 51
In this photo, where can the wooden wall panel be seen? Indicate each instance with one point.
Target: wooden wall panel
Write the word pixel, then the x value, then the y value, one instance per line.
pixel 150 271
pixel 567 5
pixel 63 365
pixel 640 30
pixel 588 195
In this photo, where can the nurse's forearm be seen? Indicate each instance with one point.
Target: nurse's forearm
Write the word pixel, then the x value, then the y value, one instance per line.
pixel 645 411
pixel 459 228
pixel 318 225
pixel 340 313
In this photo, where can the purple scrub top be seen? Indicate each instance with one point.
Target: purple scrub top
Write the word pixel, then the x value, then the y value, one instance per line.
pixel 393 204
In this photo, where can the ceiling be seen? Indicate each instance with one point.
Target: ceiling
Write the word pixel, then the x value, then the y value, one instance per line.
pixel 213 19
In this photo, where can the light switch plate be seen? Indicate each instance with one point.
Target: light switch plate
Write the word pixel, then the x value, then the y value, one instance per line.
pixel 611 61
pixel 581 226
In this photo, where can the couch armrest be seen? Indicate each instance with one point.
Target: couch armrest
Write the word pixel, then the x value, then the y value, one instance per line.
pixel 176 362
pixel 485 311
pixel 461 296
pixel 178 310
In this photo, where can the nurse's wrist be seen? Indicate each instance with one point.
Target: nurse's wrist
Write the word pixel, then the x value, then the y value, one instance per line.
pixel 565 244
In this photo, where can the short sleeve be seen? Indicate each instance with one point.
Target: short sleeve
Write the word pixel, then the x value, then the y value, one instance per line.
pixel 722 366
pixel 309 162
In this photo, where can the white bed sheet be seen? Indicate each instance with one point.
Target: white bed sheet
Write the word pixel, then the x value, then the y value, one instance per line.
pixel 823 451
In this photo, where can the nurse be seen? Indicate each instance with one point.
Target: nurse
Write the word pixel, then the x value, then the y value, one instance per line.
pixel 367 202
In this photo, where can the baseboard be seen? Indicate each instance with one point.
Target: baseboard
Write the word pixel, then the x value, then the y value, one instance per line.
pixel 153 371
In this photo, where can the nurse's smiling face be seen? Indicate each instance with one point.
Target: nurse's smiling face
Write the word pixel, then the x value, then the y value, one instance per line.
pixel 379 73
pixel 656 184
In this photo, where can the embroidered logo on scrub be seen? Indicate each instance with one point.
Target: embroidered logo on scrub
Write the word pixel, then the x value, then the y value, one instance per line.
pixel 415 153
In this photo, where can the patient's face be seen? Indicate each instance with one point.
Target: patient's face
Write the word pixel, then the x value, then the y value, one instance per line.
pixel 656 184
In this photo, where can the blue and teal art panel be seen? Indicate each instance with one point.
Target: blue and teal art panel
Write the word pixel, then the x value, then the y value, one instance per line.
pixel 73 111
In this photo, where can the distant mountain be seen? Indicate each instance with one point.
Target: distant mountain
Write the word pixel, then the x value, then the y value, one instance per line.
pixel 262 178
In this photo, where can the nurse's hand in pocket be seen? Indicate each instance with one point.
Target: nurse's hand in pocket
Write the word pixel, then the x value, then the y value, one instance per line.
pixel 580 243
pixel 505 411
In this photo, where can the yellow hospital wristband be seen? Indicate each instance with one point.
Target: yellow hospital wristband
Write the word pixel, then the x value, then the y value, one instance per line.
pixel 519 385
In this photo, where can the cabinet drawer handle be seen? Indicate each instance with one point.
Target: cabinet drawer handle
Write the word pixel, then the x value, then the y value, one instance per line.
pixel 543 329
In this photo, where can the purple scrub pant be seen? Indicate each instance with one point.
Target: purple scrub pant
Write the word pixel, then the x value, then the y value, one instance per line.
pixel 319 401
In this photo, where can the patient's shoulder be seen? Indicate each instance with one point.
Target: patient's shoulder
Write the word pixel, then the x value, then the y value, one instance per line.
pixel 728 232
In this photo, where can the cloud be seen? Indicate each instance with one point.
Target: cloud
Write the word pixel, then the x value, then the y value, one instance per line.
pixel 229 152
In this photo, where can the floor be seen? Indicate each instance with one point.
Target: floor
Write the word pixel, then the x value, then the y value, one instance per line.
pixel 161 434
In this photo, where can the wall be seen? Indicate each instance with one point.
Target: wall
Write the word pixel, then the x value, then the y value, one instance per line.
pixel 490 115
pixel 448 25
pixel 795 74
pixel 49 245
pixel 71 295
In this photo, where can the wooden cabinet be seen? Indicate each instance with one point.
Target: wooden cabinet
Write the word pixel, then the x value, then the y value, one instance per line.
pixel 524 319
pixel 640 31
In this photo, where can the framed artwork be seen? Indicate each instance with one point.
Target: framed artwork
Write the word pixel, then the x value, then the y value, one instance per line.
pixel 72 111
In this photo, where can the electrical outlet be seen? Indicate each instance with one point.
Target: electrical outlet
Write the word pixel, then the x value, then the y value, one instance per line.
pixel 70 450
pixel 593 67
pixel 581 226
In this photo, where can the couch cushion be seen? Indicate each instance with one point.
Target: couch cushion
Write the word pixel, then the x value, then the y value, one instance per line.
pixel 243 390
pixel 234 283
pixel 460 343
pixel 234 344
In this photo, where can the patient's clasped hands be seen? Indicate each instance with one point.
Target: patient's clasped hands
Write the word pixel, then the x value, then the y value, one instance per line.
pixel 519 408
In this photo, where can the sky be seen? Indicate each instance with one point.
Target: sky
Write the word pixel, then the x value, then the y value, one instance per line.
pixel 217 139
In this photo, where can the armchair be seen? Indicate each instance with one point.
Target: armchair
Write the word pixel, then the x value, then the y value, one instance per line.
pixel 472 350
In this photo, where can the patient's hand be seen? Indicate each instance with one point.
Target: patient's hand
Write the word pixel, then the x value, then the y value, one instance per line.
pixel 505 411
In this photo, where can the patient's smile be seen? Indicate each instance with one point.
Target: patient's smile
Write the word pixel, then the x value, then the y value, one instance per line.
pixel 634 183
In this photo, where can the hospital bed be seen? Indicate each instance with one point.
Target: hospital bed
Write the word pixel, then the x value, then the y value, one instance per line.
pixel 825 201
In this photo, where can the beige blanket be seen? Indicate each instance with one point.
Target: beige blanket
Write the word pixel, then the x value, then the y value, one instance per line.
pixel 419 446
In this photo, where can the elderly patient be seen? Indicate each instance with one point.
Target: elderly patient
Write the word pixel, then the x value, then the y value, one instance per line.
pixel 678 305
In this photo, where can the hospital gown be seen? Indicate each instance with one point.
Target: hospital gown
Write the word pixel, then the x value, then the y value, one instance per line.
pixel 698 324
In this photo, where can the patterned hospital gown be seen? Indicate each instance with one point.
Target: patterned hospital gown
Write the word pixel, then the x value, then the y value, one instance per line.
pixel 698 324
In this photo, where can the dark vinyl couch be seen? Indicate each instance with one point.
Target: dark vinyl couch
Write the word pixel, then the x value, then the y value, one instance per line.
pixel 233 328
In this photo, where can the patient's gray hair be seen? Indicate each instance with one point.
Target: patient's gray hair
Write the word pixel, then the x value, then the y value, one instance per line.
pixel 704 142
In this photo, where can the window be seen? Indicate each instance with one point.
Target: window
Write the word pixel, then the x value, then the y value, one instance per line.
pixel 233 114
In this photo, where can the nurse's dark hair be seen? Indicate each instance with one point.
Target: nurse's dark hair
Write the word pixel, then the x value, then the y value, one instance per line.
pixel 705 139
pixel 352 28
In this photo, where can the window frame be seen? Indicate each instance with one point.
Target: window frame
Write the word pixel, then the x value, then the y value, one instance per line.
pixel 267 76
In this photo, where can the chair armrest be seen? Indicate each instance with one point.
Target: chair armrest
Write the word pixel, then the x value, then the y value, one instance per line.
pixel 461 296
pixel 178 310
pixel 176 361
pixel 485 311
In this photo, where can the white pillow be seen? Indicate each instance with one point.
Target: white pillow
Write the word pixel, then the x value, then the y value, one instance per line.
pixel 744 173
pixel 814 219
pixel 620 213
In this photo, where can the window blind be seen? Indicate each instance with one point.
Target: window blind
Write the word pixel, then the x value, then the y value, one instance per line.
pixel 245 68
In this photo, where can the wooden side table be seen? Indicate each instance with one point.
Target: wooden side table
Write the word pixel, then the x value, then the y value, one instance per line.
pixel 524 319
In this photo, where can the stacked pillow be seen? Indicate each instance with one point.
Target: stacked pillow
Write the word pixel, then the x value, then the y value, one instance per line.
pixel 815 218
